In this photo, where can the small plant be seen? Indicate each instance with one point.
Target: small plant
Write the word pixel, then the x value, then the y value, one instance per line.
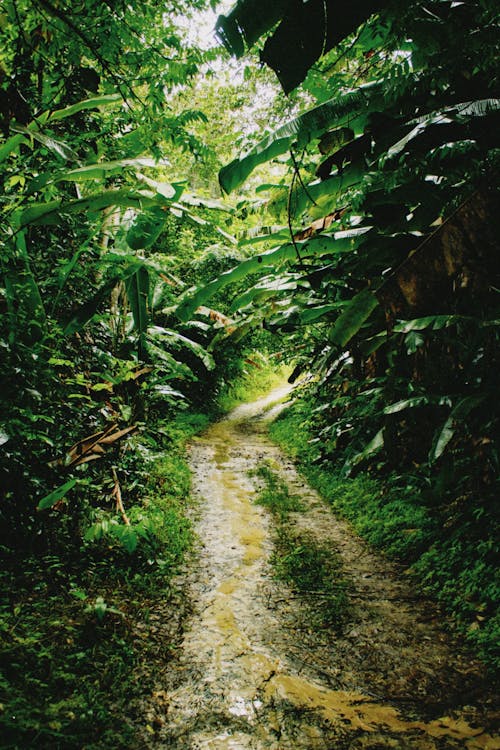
pixel 310 568
pixel 100 608
pixel 315 572
pixel 275 494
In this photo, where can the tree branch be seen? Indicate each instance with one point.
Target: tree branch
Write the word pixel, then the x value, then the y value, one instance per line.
pixel 62 16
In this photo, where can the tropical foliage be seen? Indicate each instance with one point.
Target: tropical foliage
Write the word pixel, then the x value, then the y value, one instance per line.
pixel 380 267
pixel 362 241
pixel 100 224
pixel 94 221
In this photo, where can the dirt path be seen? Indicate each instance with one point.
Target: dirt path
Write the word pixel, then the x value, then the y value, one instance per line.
pixel 253 674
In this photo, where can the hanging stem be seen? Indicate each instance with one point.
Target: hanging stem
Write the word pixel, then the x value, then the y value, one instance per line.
pixel 117 494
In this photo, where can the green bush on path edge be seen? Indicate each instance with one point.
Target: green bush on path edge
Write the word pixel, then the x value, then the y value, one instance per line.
pixel 456 566
pixel 85 630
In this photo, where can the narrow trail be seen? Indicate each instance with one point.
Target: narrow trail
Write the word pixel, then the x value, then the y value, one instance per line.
pixel 253 674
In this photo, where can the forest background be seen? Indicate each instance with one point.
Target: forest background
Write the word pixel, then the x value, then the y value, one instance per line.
pixel 171 221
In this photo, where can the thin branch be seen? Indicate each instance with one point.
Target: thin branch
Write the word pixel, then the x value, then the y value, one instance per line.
pixel 62 16
pixel 296 166
pixel 325 31
pixel 346 51
pixel 117 494
pixel 289 218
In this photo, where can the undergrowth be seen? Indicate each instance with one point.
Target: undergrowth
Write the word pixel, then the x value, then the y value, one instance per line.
pixel 456 564
pixel 257 376
pixel 275 494
pixel 84 629
pixel 310 568
pixel 314 571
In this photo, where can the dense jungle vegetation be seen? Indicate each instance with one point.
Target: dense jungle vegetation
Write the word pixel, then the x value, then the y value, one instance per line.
pixel 174 215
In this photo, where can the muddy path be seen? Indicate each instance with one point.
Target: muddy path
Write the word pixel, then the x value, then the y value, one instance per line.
pixel 252 673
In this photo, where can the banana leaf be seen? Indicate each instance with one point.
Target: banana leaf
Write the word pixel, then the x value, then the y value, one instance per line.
pixel 102 169
pixel 176 339
pixel 53 211
pixel 300 131
pixel 323 244
pixel 356 313
pixel 247 22
pixel 137 286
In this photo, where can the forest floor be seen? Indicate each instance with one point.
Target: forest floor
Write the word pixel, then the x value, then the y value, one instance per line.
pixel 257 669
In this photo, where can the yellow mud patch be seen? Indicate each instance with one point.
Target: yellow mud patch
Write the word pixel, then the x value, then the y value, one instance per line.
pixel 240 690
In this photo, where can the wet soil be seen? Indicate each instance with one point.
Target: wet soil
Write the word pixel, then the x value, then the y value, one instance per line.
pixel 253 672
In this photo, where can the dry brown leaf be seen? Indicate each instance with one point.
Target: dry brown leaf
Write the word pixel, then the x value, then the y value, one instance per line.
pixel 108 439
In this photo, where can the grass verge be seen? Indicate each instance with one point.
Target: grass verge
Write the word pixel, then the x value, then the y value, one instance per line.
pixel 457 565
pixel 258 376
pixel 86 630
pixel 311 569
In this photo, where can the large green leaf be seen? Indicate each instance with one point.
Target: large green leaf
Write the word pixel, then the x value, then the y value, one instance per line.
pixel 247 22
pixel 94 103
pixel 137 286
pixel 306 30
pixel 459 412
pixel 457 112
pixel 33 129
pixel 53 211
pixel 356 313
pixel 102 169
pixel 321 245
pixel 265 288
pixel 315 313
pixel 53 497
pixel 61 148
pixel 433 322
pixel 172 191
pixel 300 131
pixel 416 402
pixel 375 444
pixel 320 197
pixel 177 340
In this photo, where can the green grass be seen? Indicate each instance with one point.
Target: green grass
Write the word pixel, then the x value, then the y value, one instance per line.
pixel 313 570
pixel 258 376
pixel 456 564
pixel 79 628
pixel 275 495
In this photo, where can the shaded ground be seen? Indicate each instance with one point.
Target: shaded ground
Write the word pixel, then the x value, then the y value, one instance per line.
pixel 252 673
